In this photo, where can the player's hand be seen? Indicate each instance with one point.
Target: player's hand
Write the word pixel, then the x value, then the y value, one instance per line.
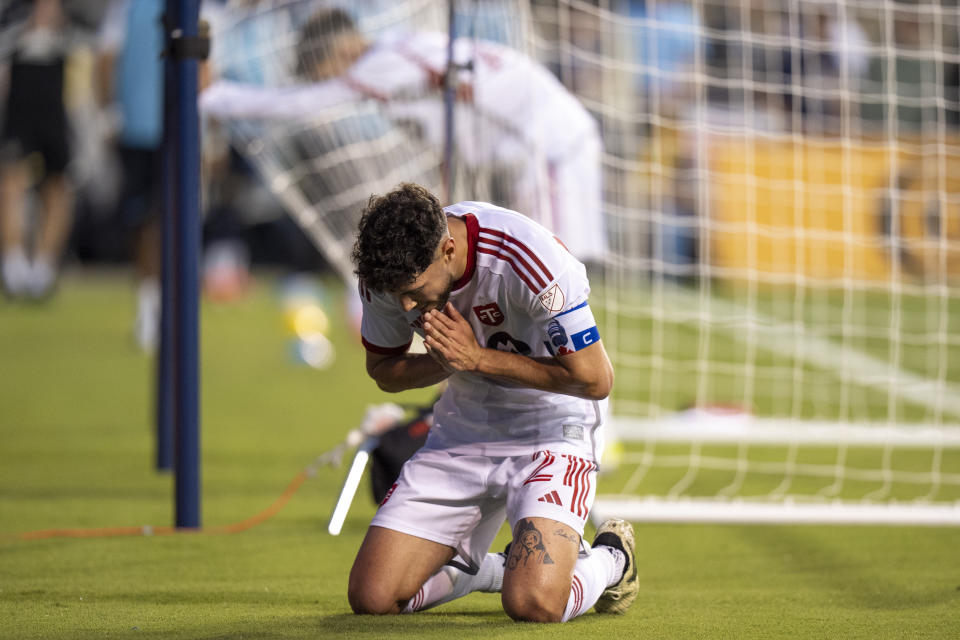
pixel 450 340
pixel 433 353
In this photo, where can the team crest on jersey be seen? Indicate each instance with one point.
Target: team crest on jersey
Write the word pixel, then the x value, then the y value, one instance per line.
pixel 552 299
pixel 489 314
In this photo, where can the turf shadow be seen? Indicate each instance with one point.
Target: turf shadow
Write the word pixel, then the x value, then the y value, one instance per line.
pixel 856 578
pixel 421 623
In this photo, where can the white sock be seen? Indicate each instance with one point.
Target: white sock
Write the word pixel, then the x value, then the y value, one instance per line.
pixel 146 326
pixel 591 576
pixel 16 271
pixel 451 583
pixel 42 276
pixel 148 294
pixel 620 558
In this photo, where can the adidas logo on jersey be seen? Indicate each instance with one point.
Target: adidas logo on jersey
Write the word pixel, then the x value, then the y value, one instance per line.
pixel 552 498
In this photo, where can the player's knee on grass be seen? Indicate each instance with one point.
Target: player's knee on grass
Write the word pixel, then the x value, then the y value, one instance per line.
pixel 369 595
pixel 390 568
pixel 524 605
pixel 372 599
pixel 538 571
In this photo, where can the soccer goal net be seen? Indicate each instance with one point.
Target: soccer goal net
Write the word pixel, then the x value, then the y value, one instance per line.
pixel 780 215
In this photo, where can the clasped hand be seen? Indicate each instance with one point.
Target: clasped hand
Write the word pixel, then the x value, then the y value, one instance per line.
pixel 450 340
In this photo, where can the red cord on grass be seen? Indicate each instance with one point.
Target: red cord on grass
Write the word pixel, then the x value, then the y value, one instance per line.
pixel 109 532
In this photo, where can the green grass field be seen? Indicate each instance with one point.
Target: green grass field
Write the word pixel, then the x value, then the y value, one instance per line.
pixel 76 450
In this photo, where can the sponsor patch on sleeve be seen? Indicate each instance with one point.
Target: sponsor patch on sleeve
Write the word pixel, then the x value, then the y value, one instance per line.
pixel 571 330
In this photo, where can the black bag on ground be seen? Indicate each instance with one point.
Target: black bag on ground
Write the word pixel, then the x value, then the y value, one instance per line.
pixel 396 447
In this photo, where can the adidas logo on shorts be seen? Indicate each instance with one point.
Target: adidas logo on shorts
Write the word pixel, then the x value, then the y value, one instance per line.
pixel 552 498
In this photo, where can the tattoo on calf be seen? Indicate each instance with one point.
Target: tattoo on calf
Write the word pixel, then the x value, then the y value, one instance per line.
pixel 527 547
pixel 575 539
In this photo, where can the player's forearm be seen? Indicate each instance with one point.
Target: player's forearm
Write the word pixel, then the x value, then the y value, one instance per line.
pixel 409 371
pixel 545 374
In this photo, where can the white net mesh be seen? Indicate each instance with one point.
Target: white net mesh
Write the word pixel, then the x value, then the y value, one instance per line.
pixel 776 239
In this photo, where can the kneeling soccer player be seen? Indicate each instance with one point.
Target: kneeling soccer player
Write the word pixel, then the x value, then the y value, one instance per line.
pixel 503 309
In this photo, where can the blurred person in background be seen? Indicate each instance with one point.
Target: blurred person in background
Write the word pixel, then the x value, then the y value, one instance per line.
pixel 131 73
pixel 665 40
pixel 131 76
pixel 833 58
pixel 905 82
pixel 245 222
pixel 545 137
pixel 542 146
pixel 38 36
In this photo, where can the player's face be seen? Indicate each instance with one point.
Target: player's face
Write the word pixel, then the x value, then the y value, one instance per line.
pixel 430 290
pixel 345 49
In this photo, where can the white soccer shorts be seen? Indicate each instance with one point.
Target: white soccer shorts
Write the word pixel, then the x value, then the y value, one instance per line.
pixel 462 500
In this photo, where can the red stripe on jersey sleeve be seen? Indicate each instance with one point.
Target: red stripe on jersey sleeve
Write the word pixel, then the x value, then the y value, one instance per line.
pixel 516 269
pixel 384 351
pixel 525 248
pixel 503 248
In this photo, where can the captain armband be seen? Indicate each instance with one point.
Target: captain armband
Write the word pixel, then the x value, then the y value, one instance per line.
pixel 571 330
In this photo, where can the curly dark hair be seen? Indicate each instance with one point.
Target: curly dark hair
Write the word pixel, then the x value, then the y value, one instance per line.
pixel 398 237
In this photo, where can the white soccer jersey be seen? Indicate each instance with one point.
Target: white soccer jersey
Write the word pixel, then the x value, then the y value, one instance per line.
pixel 522 292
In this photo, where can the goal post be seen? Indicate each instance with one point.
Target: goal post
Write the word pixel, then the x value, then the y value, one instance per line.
pixel 781 211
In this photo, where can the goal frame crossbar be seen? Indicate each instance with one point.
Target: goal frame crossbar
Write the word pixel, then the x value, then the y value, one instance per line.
pixel 732 511
pixel 737 429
